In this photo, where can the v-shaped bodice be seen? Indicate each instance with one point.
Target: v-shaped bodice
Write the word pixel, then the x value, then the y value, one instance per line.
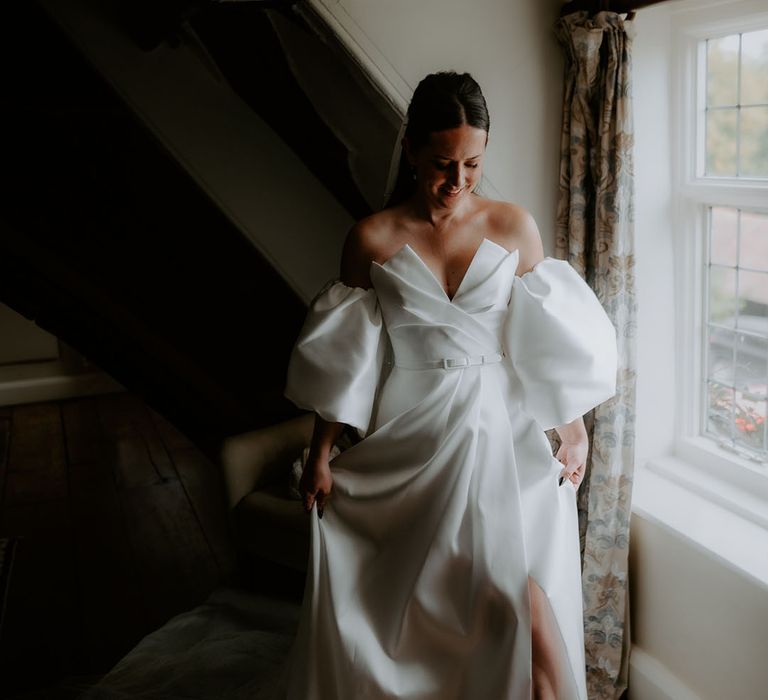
pixel 558 341
pixel 425 325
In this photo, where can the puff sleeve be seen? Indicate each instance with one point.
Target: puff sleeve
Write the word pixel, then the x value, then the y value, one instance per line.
pixel 561 343
pixel 336 362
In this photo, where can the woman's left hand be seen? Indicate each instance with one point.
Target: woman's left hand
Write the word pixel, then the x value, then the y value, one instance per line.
pixel 574 456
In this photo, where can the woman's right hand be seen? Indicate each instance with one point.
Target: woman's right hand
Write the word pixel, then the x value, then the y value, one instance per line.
pixel 315 483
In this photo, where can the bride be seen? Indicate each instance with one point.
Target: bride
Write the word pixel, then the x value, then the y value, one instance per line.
pixel 445 557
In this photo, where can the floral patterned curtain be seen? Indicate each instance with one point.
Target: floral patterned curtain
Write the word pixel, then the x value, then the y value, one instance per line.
pixel 594 232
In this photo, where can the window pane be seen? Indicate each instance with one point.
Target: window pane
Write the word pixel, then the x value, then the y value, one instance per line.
pixel 724 226
pixel 722 71
pixel 754 141
pixel 754 68
pixel 736 416
pixel 751 364
pixel 720 410
pixel 754 240
pixel 722 295
pixel 738 360
pixel 721 142
pixel 749 419
pixel 753 295
pixel 721 356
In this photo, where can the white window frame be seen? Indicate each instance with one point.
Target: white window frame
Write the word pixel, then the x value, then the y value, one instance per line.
pixel 691 195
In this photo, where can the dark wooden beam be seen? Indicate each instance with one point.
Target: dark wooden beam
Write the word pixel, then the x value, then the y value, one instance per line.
pixel 595 6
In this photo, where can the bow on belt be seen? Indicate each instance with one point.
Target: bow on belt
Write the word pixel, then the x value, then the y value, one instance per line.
pixel 455 362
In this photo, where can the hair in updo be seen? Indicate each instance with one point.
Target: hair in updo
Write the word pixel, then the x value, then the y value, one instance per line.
pixel 441 101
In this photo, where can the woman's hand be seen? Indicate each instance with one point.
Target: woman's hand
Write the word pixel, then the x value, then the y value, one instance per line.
pixel 574 456
pixel 315 483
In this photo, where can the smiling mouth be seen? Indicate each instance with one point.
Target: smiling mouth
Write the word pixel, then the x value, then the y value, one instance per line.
pixel 453 193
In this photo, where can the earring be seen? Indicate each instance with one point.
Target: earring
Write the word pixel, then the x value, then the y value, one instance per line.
pixel 413 172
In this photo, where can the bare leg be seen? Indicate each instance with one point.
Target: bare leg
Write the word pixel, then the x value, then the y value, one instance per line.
pixel 549 660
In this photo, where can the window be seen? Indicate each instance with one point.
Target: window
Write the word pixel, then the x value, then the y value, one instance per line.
pixel 722 176
pixel 735 94
pixel 736 371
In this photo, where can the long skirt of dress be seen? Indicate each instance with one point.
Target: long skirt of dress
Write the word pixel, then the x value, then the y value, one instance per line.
pixel 417 585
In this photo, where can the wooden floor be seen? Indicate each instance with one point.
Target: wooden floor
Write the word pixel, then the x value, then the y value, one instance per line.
pixel 123 525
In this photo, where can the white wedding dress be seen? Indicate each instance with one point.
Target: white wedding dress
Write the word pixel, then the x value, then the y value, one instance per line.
pixel 417 580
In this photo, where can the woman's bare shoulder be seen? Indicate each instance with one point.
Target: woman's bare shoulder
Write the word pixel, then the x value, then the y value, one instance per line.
pixel 370 238
pixel 513 226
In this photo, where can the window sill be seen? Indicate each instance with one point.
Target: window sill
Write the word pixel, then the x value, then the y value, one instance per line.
pixel 715 516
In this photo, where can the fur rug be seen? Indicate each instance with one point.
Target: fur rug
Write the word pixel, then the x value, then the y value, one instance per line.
pixel 233 646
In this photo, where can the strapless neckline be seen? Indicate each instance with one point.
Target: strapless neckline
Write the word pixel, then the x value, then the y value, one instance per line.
pixel 407 248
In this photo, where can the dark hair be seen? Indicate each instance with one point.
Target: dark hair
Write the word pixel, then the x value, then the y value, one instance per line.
pixel 441 101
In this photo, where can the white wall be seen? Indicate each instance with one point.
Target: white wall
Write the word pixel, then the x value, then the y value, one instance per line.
pixel 37 366
pixel 695 619
pixel 510 49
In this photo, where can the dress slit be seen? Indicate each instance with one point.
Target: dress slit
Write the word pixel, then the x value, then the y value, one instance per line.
pixel 549 650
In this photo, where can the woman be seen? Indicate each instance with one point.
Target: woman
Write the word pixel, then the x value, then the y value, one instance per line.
pixel 447 561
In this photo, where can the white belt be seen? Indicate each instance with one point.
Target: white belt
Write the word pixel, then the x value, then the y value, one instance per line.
pixel 456 362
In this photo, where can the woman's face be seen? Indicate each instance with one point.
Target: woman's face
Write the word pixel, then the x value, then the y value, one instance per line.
pixel 449 165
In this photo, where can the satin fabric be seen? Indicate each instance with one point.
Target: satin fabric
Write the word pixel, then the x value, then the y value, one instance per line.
pixel 417 579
